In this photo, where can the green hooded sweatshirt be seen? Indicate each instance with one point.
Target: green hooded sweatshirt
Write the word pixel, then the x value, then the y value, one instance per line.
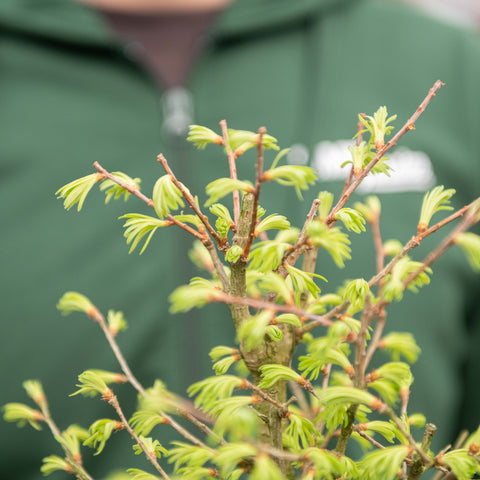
pixel 72 94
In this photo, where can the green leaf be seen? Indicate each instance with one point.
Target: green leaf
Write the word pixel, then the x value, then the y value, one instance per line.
pixel 154 447
pixel 460 462
pixel 434 201
pixel 333 240
pixel 233 253
pixel 75 302
pixel 400 344
pixel 267 256
pixel 392 247
pixel 252 330
pixel 278 222
pixel 223 186
pixel 100 431
pixel 273 373
pixel 91 384
pixel 242 140
pixel 303 281
pixel 301 431
pixel 383 464
pixel 74 193
pixel 346 396
pixel 326 201
pixel 289 319
pixel 137 226
pixel 116 322
pixel 297 176
pixel 184 454
pixel 470 244
pixel 35 391
pixel 352 219
pixel 230 455
pixel 370 209
pixel 22 414
pixel 54 463
pixel 138 474
pixel 273 282
pixel 143 421
pixel 202 136
pixel 186 297
pixel 212 389
pixel 265 469
pixel 114 190
pixel 356 292
pixel 166 196
pixel 377 125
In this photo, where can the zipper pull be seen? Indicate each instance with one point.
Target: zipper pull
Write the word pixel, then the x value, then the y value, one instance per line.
pixel 177 106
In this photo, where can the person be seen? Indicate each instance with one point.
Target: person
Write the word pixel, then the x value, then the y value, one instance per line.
pixel 120 81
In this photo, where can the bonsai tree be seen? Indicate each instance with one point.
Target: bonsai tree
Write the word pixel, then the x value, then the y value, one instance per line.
pixel 269 413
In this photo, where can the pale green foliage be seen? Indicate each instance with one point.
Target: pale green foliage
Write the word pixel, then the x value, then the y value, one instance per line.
pixel 271 374
pixel 383 464
pixel 331 239
pixel 401 344
pixel 243 140
pixel 212 389
pixel 352 219
pixel 224 220
pixel 296 176
pixel 265 469
pixel 74 193
pixel 196 294
pixel 157 398
pixel 359 155
pixel 21 415
pixel 322 351
pixel 278 222
pixel 54 463
pixel 392 247
pixel 326 201
pixel 199 256
pixel 223 186
pixel 116 321
pixel 115 191
pixel 35 391
pixel 192 219
pixel 370 209
pixel 386 429
pixel 394 287
pixel 356 292
pixel 138 225
pixel 166 196
pixel 231 454
pixel 273 282
pixel 301 432
pixel 470 244
pixel 152 446
pixel 344 396
pixel 221 365
pixel 99 432
pixel 378 126
pixel 328 465
pixel 184 454
pixel 267 256
pixel 92 384
pixel 434 201
pixel 302 281
pixel 202 136
pixel 74 302
pixel 233 253
pixel 461 463
pixel 143 421
pixel 71 438
pixel 253 329
pixel 289 319
pixel 138 474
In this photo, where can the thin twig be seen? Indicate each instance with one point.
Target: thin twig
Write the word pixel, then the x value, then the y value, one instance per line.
pixel 73 461
pixel 191 201
pixel 409 125
pixel 377 335
pixel 256 194
pixel 369 438
pixel 133 189
pixel 265 305
pixel 233 170
pixel 151 456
